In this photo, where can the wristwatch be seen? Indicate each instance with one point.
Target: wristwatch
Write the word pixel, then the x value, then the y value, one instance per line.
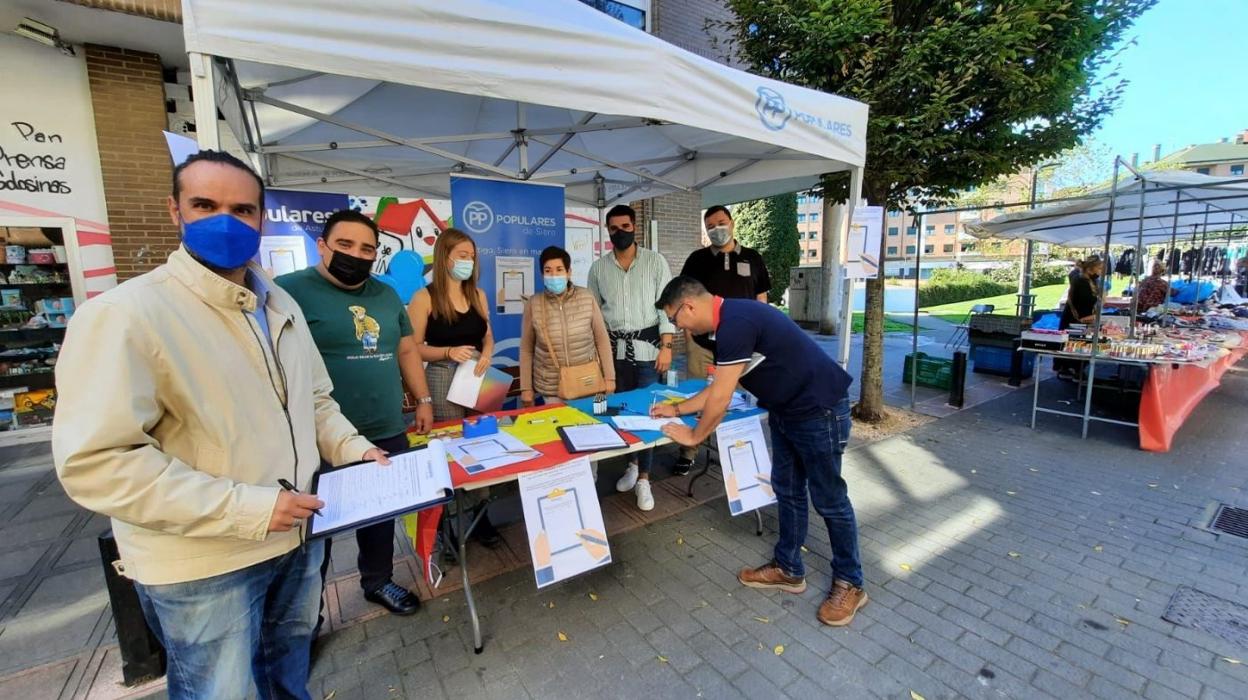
pixel 667 345
pixel 424 400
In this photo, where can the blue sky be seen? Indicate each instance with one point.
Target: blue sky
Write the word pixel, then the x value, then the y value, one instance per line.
pixel 1186 76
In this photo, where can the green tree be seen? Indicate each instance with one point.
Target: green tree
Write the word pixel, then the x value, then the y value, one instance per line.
pixel 770 227
pixel 960 93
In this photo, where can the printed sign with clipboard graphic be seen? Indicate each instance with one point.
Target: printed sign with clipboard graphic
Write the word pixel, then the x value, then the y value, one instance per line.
pixel 746 464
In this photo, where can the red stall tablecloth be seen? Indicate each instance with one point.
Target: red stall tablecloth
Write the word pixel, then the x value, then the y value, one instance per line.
pixel 1172 392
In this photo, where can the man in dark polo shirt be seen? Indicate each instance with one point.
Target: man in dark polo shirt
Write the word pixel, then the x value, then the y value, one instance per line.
pixel 729 270
pixel 806 395
pixel 362 331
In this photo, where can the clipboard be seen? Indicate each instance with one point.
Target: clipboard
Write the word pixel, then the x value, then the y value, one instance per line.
pixel 307 535
pixel 573 448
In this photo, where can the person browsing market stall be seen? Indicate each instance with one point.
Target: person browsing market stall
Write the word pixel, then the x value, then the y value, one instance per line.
pixel 365 338
pixel 727 269
pixel 806 395
pixel 1153 290
pixel 626 283
pixel 563 334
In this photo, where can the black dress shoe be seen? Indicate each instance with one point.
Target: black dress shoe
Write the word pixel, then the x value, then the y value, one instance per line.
pixel 394 598
pixel 682 467
pixel 486 533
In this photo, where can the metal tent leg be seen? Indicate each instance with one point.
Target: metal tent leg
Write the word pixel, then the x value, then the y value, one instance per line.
pixel 477 645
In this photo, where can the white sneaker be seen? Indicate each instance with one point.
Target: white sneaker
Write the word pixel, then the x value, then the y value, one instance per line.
pixel 628 481
pixel 645 499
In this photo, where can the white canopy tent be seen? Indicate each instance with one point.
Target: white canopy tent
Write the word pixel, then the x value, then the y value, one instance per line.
pixel 549 90
pixel 394 96
pixel 1153 207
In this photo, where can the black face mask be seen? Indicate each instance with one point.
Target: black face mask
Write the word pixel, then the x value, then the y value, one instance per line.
pixel 623 240
pixel 349 269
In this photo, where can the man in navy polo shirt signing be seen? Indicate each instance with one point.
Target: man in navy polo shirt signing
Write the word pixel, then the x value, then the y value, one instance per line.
pixel 806 395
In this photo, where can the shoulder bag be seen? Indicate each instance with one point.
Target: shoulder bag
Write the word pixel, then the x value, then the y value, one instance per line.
pixel 576 381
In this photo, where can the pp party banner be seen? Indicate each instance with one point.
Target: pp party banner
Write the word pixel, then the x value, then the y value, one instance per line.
pixel 292 223
pixel 511 223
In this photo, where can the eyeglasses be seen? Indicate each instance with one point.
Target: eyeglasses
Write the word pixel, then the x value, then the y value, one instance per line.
pixel 672 319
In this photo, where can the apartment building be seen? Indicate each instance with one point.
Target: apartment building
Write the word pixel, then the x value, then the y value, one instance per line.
pixel 1226 158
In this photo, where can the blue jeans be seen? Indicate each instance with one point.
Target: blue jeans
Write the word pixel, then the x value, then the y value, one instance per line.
pixel 807 453
pixel 252 625
pixel 637 375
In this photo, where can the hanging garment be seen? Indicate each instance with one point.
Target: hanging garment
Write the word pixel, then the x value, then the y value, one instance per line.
pixel 1123 268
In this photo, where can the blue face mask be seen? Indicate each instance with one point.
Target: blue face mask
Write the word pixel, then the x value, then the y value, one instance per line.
pixel 462 270
pixel 222 241
pixel 555 285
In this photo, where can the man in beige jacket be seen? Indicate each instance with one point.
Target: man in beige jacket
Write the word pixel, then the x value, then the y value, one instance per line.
pixel 185 395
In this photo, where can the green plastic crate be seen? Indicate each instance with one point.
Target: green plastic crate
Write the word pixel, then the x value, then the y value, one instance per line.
pixel 936 372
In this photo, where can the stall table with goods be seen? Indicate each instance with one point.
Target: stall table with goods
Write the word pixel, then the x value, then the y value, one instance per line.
pixel 38 295
pixel 530 440
pixel 1183 355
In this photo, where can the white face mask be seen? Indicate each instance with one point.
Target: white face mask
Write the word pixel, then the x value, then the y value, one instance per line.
pixel 719 235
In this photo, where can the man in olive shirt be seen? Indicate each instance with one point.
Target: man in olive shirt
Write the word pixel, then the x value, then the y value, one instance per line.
pixel 727 269
pixel 363 333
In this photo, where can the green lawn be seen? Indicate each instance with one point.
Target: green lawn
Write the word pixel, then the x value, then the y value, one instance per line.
pixel 890 326
pixel 1046 298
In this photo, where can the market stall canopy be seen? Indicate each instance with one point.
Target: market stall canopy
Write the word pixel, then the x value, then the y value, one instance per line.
pixel 391 96
pixel 1178 203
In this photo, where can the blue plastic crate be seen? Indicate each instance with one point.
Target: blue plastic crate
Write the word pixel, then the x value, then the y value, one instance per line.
pixel 989 359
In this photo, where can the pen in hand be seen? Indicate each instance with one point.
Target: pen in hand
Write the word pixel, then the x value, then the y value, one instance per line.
pixel 287 486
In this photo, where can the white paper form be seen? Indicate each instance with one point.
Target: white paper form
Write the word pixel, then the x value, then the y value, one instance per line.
pixel 746 464
pixel 480 454
pixel 563 519
pixel 465 385
pixel 597 436
pixel 631 423
pixel 359 493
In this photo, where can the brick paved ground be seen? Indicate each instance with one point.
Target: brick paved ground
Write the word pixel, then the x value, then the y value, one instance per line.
pixel 1001 563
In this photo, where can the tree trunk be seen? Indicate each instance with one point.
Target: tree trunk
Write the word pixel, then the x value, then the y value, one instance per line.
pixel 870 407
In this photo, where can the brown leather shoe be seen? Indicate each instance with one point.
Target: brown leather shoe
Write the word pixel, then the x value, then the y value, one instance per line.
pixel 843 602
pixel 770 575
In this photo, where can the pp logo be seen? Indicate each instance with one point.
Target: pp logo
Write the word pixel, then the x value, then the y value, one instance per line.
pixel 478 217
pixel 772 110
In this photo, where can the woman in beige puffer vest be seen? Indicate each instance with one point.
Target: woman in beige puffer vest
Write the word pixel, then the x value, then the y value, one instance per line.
pixel 574 324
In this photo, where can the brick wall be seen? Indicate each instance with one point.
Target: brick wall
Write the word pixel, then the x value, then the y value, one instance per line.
pixel 127 95
pixel 679 219
pixel 683 23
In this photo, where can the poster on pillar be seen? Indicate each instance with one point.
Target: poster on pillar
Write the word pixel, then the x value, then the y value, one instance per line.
pixel 862 251
pixel 511 222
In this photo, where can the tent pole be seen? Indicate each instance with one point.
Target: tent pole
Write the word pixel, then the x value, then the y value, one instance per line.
pixel 522 143
pixel 1200 254
pixel 836 280
pixel 1139 261
pixel 914 330
pixel 1100 297
pixel 600 199
pixel 203 86
pixel 1222 269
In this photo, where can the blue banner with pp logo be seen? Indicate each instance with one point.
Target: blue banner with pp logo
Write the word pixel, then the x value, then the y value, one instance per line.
pixel 511 222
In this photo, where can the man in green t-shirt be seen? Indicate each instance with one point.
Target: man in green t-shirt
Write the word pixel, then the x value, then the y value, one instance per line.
pixel 363 333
